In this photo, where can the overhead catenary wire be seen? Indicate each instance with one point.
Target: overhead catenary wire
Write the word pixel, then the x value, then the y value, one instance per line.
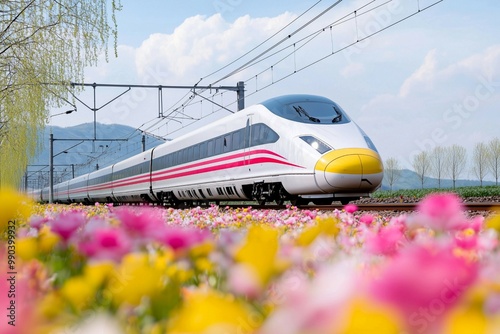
pixel 279 42
pixel 178 109
pixel 262 43
pixel 359 12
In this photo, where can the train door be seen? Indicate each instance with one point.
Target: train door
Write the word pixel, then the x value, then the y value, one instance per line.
pixel 248 141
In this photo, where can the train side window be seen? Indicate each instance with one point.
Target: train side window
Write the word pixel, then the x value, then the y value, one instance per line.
pixel 197 151
pixel 190 154
pixel 227 143
pixel 229 191
pixel 219 191
pixel 246 136
pixel 201 193
pixel 255 134
pixel 218 146
pixel 236 140
pixel 209 191
pixel 210 148
pixel 269 135
pixel 203 150
pixel 184 155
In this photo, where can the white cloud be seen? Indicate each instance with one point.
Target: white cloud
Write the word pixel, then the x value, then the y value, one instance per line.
pixel 423 77
pixel 203 44
pixel 352 69
pixel 438 105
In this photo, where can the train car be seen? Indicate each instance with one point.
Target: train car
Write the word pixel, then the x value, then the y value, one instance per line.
pixel 99 185
pixel 61 194
pixel 44 195
pixel 132 179
pixel 296 147
pixel 35 194
pixel 299 148
pixel 77 189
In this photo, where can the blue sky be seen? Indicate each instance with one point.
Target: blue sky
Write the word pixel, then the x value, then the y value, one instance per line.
pixel 433 79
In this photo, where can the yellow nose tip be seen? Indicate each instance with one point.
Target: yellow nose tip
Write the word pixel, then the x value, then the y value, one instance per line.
pixel 350 161
pixel 349 169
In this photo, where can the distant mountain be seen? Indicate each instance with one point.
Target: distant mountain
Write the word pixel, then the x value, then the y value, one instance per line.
pixel 71 154
pixel 410 180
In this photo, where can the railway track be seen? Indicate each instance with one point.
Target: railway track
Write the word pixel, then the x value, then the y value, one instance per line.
pixel 396 207
pixel 413 206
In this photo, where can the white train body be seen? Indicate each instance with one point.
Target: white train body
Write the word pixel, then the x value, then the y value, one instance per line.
pixel 294 147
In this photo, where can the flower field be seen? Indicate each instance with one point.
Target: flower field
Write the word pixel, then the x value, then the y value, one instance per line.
pixel 105 269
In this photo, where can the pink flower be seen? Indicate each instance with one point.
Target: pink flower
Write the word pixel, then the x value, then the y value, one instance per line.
pixel 466 239
pixel 105 243
pixel 143 222
pixel 424 282
pixel 442 212
pixel 385 241
pixel 243 280
pixel 351 208
pixel 37 222
pixel 366 219
pixel 66 223
pixel 179 238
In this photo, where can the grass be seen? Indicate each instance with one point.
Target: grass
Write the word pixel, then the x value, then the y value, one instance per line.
pixel 464 192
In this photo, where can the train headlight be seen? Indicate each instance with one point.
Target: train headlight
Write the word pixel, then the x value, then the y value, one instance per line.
pixel 317 144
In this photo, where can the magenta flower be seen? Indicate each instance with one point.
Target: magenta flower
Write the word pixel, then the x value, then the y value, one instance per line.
pixel 37 222
pixel 443 212
pixel 105 244
pixel 179 238
pixel 385 241
pixel 424 282
pixel 351 208
pixel 66 223
pixel 143 222
pixel 366 219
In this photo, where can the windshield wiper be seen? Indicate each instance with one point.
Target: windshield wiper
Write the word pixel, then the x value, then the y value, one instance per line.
pixel 301 111
pixel 337 118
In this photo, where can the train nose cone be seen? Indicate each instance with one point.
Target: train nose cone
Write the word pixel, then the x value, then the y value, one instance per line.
pixel 349 169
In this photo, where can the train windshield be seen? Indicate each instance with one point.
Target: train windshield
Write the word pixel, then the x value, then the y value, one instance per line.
pixel 307 109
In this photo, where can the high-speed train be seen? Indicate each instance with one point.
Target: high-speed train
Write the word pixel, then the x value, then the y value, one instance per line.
pixel 297 148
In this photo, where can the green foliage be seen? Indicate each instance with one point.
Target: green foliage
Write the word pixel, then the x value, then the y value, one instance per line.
pixel 463 192
pixel 44 45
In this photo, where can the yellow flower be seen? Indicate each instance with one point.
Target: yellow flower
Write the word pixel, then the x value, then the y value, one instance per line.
pixel 203 264
pixel 97 274
pixel 13 205
pixel 163 258
pixel 465 320
pixel 135 279
pixel 178 274
pixel 469 315
pixel 78 292
pixel 259 252
pixel 203 249
pixel 213 312
pixel 367 317
pixel 494 222
pixel 26 248
pixel 51 305
pixel 47 240
pixel 327 226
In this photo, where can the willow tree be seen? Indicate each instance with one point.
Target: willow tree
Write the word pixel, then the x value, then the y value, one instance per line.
pixel 44 45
